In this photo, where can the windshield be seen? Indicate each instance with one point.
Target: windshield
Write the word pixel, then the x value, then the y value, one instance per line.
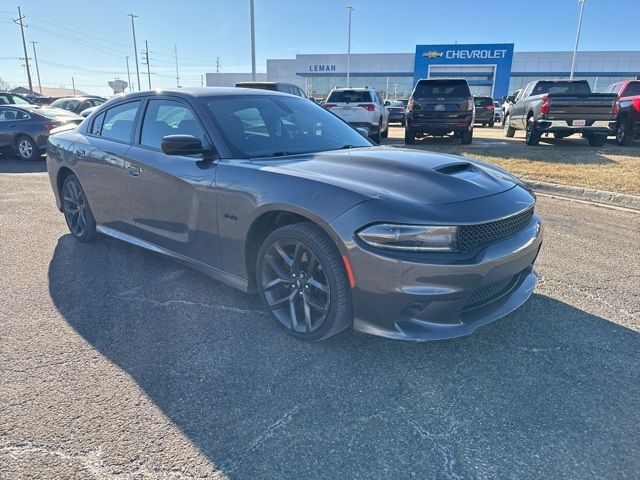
pixel 267 126
pixel 441 88
pixel 483 101
pixel 12 99
pixel 396 104
pixel 349 96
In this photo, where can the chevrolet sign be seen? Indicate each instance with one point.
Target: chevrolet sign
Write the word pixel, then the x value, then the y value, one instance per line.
pixel 468 54
pixel 432 54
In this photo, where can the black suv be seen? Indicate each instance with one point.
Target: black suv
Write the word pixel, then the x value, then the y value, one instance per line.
pixel 439 107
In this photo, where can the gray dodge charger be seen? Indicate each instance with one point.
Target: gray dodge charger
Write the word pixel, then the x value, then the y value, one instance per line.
pixel 273 194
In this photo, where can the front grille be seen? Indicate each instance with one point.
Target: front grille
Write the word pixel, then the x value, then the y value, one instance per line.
pixel 471 235
pixel 490 292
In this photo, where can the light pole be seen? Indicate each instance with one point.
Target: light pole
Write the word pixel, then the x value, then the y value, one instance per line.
pixel 35 57
pixel 253 42
pixel 575 50
pixel 350 8
pixel 395 91
pixel 135 47
pixel 128 75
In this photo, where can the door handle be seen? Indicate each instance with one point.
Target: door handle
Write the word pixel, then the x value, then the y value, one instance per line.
pixel 133 170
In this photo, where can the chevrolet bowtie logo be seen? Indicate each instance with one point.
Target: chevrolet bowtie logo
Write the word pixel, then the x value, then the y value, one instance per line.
pixel 432 54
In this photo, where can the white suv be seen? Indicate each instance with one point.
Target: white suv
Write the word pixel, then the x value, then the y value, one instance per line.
pixel 361 108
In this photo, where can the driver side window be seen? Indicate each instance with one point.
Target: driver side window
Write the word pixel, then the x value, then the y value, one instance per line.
pixel 168 117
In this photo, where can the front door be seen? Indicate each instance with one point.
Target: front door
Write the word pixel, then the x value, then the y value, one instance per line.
pixel 173 197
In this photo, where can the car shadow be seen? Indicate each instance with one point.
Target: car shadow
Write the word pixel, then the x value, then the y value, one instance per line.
pixel 548 392
pixel 13 164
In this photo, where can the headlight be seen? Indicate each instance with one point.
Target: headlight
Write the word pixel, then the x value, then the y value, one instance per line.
pixel 416 238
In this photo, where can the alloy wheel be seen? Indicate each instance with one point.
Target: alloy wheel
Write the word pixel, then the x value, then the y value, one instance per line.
pixel 25 149
pixel 74 204
pixel 295 285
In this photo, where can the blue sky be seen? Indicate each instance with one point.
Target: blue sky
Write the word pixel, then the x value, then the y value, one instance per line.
pixel 89 39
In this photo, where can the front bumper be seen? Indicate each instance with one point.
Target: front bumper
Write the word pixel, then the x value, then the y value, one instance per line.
pixel 407 299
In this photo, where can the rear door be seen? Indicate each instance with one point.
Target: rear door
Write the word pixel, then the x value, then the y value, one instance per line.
pixel 173 199
pixel 440 98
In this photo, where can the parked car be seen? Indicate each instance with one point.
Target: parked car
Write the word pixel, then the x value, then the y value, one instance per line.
pixel 274 194
pixel 275 87
pixel 361 108
pixel 627 110
pixel 507 102
pixel 439 107
pixel 562 107
pixel 485 110
pixel 8 98
pixel 497 112
pixel 397 112
pixel 24 128
pixel 78 104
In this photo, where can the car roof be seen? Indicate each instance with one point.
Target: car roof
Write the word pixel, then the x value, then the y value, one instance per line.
pixel 355 89
pixel 197 92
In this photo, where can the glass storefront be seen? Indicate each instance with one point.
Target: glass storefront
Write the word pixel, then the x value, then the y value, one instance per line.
pixel 393 86
pixel 597 83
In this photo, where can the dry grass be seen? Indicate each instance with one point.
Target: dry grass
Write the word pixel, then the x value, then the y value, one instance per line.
pixel 570 161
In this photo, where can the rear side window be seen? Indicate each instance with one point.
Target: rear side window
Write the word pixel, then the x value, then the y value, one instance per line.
pixel 119 122
pixel 9 115
pixel 561 88
pixel 483 101
pixel 442 88
pixel 632 90
pixel 349 96
pixel 96 126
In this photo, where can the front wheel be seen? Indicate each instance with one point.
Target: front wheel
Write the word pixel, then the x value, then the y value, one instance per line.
pixel 623 138
pixel 26 148
pixel 509 131
pixel 77 212
pixel 302 281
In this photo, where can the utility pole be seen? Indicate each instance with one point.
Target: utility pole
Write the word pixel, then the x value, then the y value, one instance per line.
pixel 218 65
pixel 24 46
pixel 135 47
pixel 201 80
pixel 175 47
pixel 35 56
pixel 253 42
pixel 350 8
pixel 128 75
pixel 73 84
pixel 146 54
pixel 575 50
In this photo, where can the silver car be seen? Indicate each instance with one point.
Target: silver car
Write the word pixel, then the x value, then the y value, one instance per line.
pixel 273 194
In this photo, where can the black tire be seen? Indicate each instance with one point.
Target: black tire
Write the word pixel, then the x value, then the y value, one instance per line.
pixel 376 136
pixel 533 134
pixel 492 123
pixel 385 134
pixel 77 211
pixel 597 140
pixel 623 137
pixel 337 312
pixel 509 131
pixel 409 136
pixel 466 136
pixel 403 122
pixel 26 148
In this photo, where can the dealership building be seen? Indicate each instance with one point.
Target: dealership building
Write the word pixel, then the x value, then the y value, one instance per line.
pixel 491 69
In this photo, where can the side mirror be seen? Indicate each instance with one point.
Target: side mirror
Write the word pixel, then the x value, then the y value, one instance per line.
pixel 363 131
pixel 181 145
pixel 511 98
pixel 387 103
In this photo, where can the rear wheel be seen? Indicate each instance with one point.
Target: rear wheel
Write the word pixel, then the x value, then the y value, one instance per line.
pixel 385 134
pixel 376 136
pixel 491 123
pixel 466 137
pixel 533 134
pixel 623 137
pixel 303 283
pixel 597 140
pixel 509 131
pixel 77 212
pixel 409 136
pixel 26 148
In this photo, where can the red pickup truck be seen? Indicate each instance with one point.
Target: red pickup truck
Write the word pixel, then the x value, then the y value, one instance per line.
pixel 627 110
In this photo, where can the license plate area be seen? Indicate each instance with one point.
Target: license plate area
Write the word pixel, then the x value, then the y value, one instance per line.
pixel 579 123
pixel 440 107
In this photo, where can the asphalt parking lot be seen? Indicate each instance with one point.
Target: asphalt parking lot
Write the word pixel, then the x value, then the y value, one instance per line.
pixel 116 363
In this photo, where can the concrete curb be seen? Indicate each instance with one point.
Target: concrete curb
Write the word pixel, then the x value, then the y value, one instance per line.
pixel 587 194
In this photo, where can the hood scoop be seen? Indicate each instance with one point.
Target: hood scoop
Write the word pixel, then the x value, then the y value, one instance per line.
pixel 454 168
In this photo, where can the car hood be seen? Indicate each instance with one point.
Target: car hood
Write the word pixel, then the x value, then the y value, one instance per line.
pixel 399 174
